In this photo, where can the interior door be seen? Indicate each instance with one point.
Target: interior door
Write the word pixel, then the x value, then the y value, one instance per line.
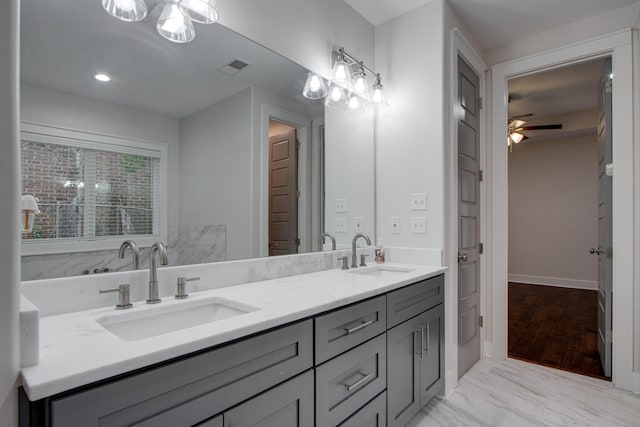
pixel 283 194
pixel 468 217
pixel 605 241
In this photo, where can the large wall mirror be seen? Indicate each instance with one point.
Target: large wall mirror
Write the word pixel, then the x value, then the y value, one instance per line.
pixel 208 146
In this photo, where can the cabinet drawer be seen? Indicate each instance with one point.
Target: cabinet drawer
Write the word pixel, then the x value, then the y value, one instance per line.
pixel 343 329
pixel 287 405
pixel 344 384
pixel 193 389
pixel 373 414
pixel 412 300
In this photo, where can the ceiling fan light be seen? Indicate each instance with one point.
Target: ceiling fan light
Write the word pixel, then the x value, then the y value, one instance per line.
pixel 174 26
pixel 514 124
pixel 126 10
pixel 516 137
pixel 200 11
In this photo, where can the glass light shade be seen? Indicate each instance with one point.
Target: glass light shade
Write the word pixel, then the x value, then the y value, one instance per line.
pixel 360 86
pixel 378 96
pixel 201 11
pixel 126 10
pixel 516 137
pixel 337 96
pixel 174 26
pixel 355 104
pixel 515 124
pixel 314 87
pixel 342 74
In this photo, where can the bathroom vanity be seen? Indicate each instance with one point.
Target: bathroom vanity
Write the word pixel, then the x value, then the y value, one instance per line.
pixel 329 348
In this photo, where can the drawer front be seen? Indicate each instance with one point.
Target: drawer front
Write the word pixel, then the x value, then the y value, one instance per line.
pixel 414 299
pixel 287 405
pixel 213 422
pixel 344 329
pixel 193 389
pixel 346 383
pixel 373 414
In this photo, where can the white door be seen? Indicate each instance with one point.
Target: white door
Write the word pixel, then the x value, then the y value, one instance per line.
pixel 468 217
pixel 605 241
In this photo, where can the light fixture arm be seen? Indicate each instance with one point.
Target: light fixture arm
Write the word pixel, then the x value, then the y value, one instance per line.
pixel 351 60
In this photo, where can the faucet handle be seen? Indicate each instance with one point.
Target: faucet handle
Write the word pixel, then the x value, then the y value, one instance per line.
pixel 181 292
pixel 345 262
pixel 123 296
pixel 362 260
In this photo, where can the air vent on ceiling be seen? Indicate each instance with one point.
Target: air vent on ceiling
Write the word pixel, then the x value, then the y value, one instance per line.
pixel 233 67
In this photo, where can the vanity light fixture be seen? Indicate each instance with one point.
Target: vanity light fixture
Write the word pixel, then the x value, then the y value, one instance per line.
pixel 347 89
pixel 101 77
pixel 176 18
pixel 314 87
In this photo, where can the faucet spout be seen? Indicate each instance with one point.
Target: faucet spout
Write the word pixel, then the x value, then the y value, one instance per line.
pixel 333 240
pixel 160 250
pixel 134 251
pixel 354 257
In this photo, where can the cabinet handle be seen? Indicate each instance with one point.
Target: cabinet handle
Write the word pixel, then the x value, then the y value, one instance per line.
pixel 428 328
pixel 359 382
pixel 364 324
pixel 418 348
pixel 423 333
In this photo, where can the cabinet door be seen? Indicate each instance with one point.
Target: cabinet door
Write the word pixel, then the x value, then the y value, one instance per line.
pixel 287 405
pixel 432 354
pixel 373 414
pixel 403 371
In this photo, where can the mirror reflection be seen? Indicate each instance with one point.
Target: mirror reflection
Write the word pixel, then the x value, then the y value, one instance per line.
pixel 208 146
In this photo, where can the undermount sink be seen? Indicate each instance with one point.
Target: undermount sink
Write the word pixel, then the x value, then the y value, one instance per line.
pixel 160 319
pixel 382 271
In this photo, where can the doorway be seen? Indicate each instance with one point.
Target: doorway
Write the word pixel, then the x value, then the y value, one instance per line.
pixel 559 291
pixel 283 189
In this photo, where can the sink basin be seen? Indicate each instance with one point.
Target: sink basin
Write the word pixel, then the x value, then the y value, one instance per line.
pixel 382 271
pixel 138 325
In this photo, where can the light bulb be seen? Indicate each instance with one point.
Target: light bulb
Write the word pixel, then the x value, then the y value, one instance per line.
pixel 102 77
pixel 174 26
pixel 314 87
pixel 201 11
pixel 342 74
pixel 516 137
pixel 354 102
pixel 337 96
pixel 378 97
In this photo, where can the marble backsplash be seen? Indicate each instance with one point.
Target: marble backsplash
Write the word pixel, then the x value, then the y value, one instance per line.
pixel 186 244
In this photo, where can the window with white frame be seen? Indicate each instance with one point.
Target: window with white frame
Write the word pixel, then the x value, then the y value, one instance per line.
pixel 91 189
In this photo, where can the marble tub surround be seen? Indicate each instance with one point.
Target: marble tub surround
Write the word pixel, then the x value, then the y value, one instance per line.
pixel 29 333
pixel 187 244
pixel 75 350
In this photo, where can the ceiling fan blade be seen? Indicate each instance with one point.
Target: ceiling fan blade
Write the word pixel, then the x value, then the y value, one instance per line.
pixel 522 116
pixel 541 127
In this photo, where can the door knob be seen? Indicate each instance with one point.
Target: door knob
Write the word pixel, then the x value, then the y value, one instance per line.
pixel 462 257
pixel 595 251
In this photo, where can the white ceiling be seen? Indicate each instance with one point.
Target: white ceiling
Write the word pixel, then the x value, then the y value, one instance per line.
pixel 65 42
pixel 496 22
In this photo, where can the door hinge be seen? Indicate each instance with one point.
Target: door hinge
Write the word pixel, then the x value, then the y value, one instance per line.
pixel 481 321
pixel 480 176
pixel 297 193
pixel 297 241
pixel 297 144
pixel 608 337
pixel 481 248
pixel 608 169
pixel 608 86
pixel 480 103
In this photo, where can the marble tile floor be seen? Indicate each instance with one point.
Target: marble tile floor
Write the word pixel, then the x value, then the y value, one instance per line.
pixel 512 393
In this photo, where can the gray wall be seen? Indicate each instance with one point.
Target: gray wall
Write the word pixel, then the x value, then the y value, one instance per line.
pixel 553 212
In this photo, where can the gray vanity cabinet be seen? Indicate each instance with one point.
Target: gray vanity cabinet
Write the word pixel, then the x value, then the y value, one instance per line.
pixel 194 388
pixel 415 352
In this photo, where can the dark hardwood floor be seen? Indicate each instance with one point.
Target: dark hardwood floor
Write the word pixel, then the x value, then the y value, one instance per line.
pixel 555 327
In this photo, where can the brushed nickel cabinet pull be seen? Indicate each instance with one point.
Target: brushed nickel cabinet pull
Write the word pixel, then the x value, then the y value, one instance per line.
pixel 362 325
pixel 358 383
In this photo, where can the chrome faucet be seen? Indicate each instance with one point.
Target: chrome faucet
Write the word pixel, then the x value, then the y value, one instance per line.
pixel 354 258
pixel 159 249
pixel 333 240
pixel 134 251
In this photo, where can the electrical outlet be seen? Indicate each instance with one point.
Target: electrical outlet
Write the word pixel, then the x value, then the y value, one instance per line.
pixel 359 225
pixel 395 225
pixel 341 206
pixel 341 225
pixel 419 202
pixel 419 225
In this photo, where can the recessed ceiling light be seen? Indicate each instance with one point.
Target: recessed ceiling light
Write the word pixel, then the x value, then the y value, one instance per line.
pixel 102 77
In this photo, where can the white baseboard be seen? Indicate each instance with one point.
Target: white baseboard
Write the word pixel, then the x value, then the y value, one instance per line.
pixel 553 281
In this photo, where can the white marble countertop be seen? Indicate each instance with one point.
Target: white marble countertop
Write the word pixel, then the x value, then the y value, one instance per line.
pixel 75 350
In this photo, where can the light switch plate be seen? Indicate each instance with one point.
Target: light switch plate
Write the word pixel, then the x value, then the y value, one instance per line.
pixel 419 225
pixel 341 225
pixel 419 202
pixel 359 225
pixel 395 225
pixel 341 206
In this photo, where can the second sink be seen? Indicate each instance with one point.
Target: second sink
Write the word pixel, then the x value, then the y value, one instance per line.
pixel 382 271
pixel 134 326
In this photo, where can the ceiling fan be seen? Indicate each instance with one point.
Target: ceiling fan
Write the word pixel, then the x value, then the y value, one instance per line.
pixel 516 126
